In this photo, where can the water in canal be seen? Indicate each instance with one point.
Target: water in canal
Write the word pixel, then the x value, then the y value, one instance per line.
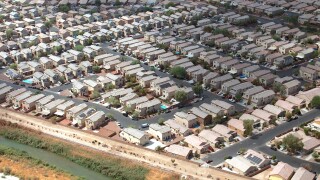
pixel 55 160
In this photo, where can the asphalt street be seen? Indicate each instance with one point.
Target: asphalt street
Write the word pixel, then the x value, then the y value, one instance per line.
pixel 258 142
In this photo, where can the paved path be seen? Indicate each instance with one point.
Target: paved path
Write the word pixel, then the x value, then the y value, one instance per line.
pixel 258 142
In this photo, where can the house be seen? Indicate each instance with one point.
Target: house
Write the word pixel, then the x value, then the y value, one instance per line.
pixel 263 115
pixel 275 110
pixel 50 108
pixel 163 133
pixel 217 81
pixel 257 158
pixel 80 88
pixel 43 101
pixel 300 103
pixel 224 131
pixel 228 108
pixel 79 119
pixel 308 73
pixel 10 96
pixel 283 61
pixel 116 80
pixel 302 173
pixel 179 150
pixel 92 85
pixel 211 109
pixel 74 111
pixel 197 144
pixel 211 137
pixel 292 87
pixel 177 128
pixel 3 92
pixel 203 118
pixel 188 120
pixel 267 79
pixel 148 107
pixel 63 108
pixel 95 120
pixel 281 171
pixel 29 104
pixel 240 165
pixel 237 126
pixel 134 136
pixel 145 81
pixel 17 100
pixel 263 98
pixel 308 95
pixel 239 89
pixel 248 70
pixel 309 144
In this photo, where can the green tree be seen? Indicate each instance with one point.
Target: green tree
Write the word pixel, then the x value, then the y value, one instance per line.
pixel 96 69
pixel 63 8
pixel 109 116
pixel 109 87
pixel 238 97
pixel 178 72
pixel 9 33
pixel 135 114
pixel 13 66
pixel 114 101
pixel 170 4
pixel 161 121
pixel 276 87
pixel 248 126
pixel 128 109
pixel 48 24
pixel 288 115
pixel 315 102
pixel 117 3
pixel 140 90
pixel 169 13
pixel 292 143
pixel 207 29
pixel 197 89
pixel 135 62
pixel 79 47
pixel 98 2
pixel 94 95
pixel 180 96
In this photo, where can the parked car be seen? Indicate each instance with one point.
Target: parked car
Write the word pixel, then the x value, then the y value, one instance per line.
pixel 144 125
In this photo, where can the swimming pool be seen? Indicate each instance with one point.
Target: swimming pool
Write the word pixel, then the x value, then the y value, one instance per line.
pixel 163 107
pixel 28 81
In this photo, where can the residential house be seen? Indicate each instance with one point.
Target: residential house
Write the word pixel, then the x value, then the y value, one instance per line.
pixel 241 165
pixel 263 98
pixel 203 118
pixel 197 144
pixel 149 107
pixel 224 131
pixel 163 133
pixel 237 126
pixel 43 101
pixel 178 128
pixel 228 108
pixel 292 87
pixel 281 171
pixel 179 150
pixel 188 120
pixel 95 120
pixel 134 136
pixel 29 104
pixel 74 111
